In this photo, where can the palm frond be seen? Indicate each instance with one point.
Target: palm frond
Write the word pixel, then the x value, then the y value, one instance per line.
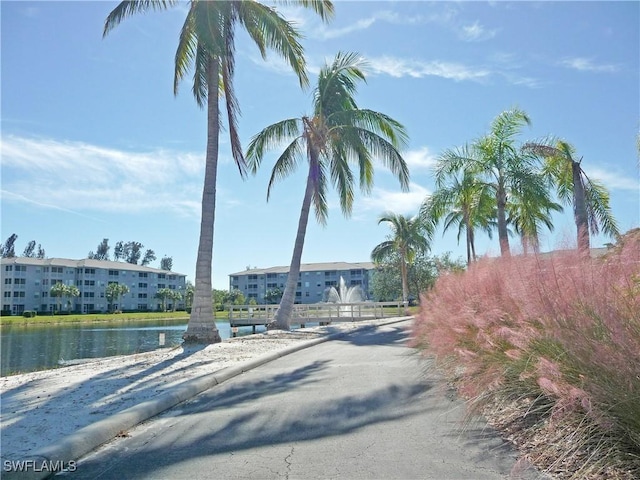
pixel 286 163
pixel 599 210
pixel 267 28
pixel 269 138
pixel 127 8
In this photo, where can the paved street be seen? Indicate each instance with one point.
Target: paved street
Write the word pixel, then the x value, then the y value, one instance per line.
pixel 360 407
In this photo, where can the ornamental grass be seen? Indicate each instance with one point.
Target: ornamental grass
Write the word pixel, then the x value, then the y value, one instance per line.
pixel 547 348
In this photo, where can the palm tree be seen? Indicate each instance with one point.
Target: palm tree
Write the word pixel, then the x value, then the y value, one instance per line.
pixel 71 291
pixel 590 199
pixel 336 135
pixel 410 237
pixel 59 290
pixel 464 201
pixel 497 161
pixel 206 44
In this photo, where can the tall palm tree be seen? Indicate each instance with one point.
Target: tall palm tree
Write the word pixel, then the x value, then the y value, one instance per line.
pixel 337 135
pixel 498 162
pixel 410 237
pixel 463 201
pixel 206 45
pixel 589 198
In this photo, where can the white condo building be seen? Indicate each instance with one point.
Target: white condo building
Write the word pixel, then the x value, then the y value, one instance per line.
pixel 26 284
pixel 313 280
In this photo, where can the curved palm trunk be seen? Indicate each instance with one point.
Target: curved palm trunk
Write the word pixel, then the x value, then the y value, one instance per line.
pixel 202 326
pixel 283 315
pixel 580 208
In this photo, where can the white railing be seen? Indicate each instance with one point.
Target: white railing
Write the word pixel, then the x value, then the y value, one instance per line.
pixel 240 315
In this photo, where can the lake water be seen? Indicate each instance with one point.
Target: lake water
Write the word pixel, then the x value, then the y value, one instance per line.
pixel 36 347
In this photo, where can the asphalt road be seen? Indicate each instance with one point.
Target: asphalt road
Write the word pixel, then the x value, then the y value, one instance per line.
pixel 361 407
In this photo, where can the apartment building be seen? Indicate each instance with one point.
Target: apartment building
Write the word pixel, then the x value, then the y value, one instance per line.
pixel 313 280
pixel 26 284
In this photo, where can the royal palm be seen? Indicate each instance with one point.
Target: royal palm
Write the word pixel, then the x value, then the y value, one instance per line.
pixel 206 46
pixel 336 136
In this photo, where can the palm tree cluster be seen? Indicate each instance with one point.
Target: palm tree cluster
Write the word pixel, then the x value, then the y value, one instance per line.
pixel 494 183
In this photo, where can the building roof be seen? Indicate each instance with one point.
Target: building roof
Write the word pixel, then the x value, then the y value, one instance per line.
pixel 85 262
pixel 308 267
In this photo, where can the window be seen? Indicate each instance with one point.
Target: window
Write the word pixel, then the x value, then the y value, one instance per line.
pixel 162 276
pixel 21 268
pixel 8 268
pixel 172 287
pixel 19 281
pixel 45 294
pixel 89 283
pixel 306 284
pixel 142 295
pixel 299 284
pixel 161 285
pixel 356 282
pixel 45 269
pixel 7 294
pixel 253 286
pixel 89 294
pixel 18 294
pixel 253 277
pixel 90 271
pixel 271 276
pixel 298 294
pixel 142 285
pixel 113 273
pixel 306 294
pixel 272 285
pixel 7 281
pixel 142 306
pixel 328 274
pixel 56 269
pixel 45 281
pixel 355 272
pixel 142 274
pixel 329 284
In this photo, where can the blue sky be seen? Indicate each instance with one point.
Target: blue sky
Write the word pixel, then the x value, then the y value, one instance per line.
pixel 95 145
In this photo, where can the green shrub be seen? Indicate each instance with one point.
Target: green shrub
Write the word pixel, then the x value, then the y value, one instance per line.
pixel 29 314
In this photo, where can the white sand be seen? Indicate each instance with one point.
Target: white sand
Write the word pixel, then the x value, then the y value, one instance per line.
pixel 39 408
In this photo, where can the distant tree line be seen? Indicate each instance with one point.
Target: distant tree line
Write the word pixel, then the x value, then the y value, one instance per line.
pixel 7 249
pixel 130 252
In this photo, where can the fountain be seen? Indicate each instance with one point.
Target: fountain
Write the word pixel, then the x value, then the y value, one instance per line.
pixel 344 294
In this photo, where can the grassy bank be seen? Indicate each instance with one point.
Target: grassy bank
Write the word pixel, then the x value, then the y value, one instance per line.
pixel 100 317
pixel 548 349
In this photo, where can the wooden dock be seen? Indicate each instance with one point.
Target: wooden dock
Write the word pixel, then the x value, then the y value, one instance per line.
pixel 321 313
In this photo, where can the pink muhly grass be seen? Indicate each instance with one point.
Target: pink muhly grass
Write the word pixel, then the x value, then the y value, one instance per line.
pixel 563 326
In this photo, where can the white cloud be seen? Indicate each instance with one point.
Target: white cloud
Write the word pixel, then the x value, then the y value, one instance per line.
pixel 476 32
pixel 406 203
pixel 588 65
pixel 419 159
pixel 399 67
pixel 79 177
pixel 613 180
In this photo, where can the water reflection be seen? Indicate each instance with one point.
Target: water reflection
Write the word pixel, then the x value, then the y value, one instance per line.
pixel 25 348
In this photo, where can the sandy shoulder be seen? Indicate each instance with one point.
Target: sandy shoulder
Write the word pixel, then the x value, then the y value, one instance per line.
pixel 39 408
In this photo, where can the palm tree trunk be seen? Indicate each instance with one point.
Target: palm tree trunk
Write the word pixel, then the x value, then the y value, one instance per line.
pixel 283 315
pixel 580 209
pixel 405 281
pixel 202 326
pixel 503 235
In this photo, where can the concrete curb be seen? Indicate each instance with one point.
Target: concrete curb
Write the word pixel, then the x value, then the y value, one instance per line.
pixel 47 461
